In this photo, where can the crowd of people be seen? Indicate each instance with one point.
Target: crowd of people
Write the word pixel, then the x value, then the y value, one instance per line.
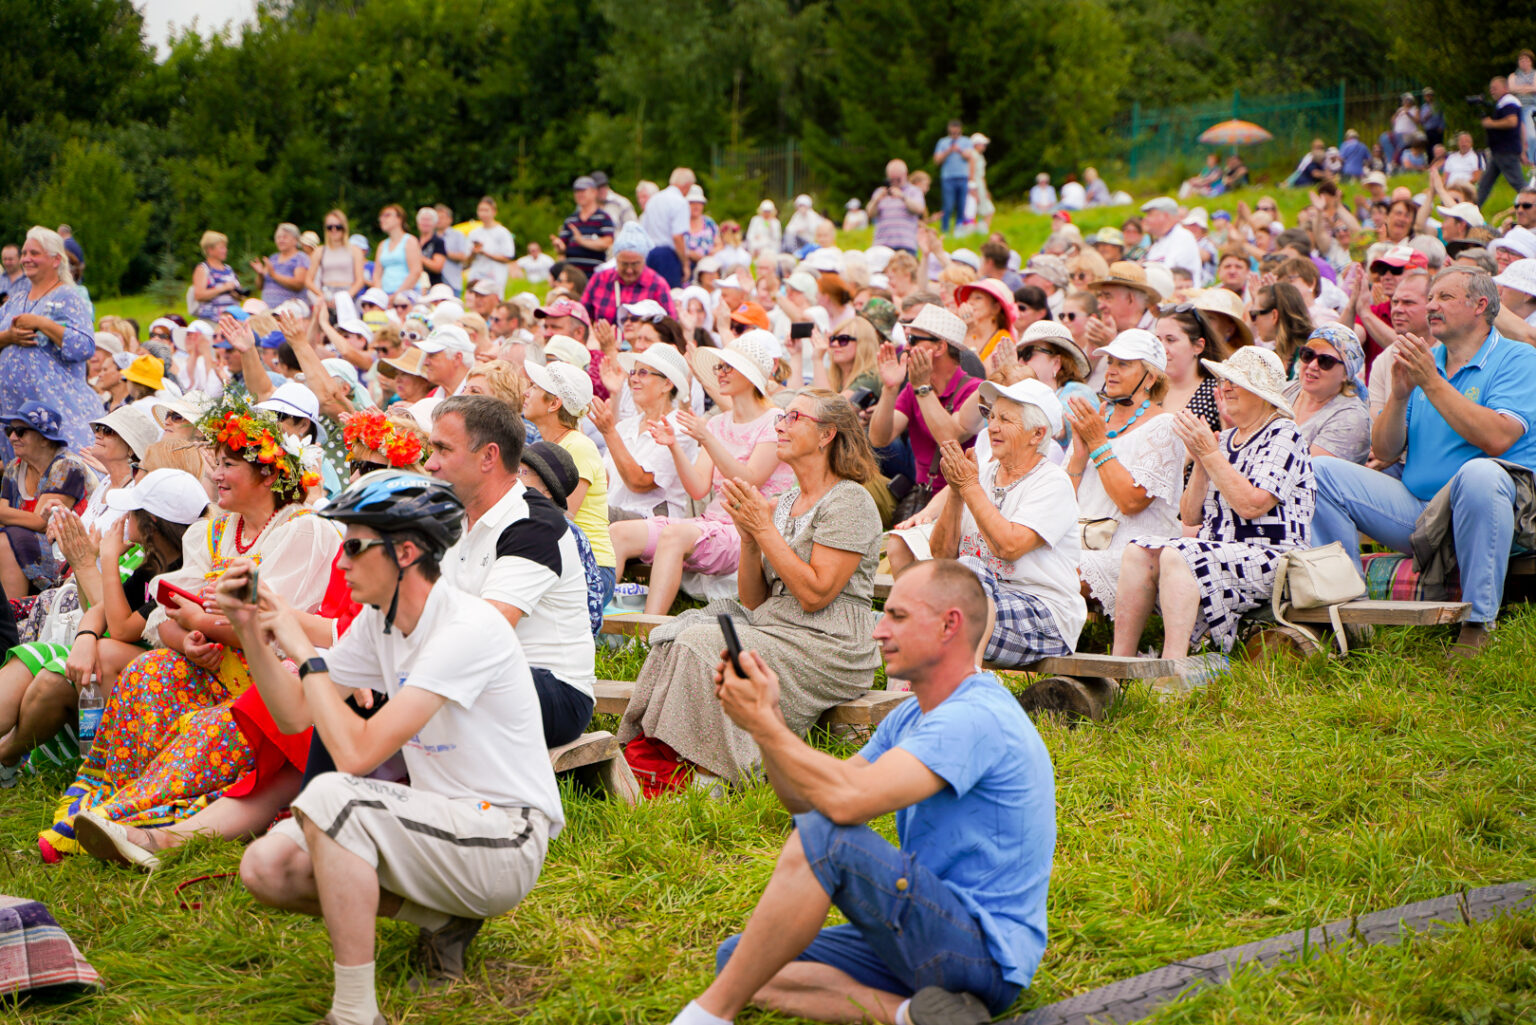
pixel 336 550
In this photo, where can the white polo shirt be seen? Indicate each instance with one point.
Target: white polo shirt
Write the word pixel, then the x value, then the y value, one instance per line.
pixel 522 553
pixel 487 742
pixel 1178 248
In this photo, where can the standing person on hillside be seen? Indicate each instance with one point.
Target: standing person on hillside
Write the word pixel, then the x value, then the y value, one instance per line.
pixel 1173 245
pixel 665 220
pixel 947 927
pixel 618 207
pixel 397 261
pixel 955 156
pixel 492 249
pixel 1522 83
pixel 456 248
pixel 466 840
pixel 282 275
pixel 1431 120
pixel 984 206
pixel 434 251
pixel 587 234
pixel 1505 154
pixel 764 232
pixel 896 209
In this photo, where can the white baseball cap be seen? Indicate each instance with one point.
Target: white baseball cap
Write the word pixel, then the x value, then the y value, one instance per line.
pixel 173 495
pixel 440 292
pixel 1136 343
pixel 1463 212
pixel 968 257
pixel 1520 276
pixel 645 309
pixel 1162 204
pixel 377 296
pixel 355 326
pixel 447 338
pixel 294 399
pixel 571 386
pixel 1029 392
pixel 567 350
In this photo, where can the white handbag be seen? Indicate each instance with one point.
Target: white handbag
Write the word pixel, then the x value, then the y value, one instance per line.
pixel 1314 578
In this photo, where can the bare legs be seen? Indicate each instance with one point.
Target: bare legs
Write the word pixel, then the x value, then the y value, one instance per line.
pixel 229 818
pixel 45 706
pixel 11 576
pixel 280 874
pixel 762 970
pixel 672 547
pixel 1147 575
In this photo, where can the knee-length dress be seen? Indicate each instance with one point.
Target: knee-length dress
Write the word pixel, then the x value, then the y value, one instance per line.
pixel 822 658
pixel 1234 559
pixel 169 743
pixel 1154 457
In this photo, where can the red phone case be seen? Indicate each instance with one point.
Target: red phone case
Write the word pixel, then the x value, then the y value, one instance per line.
pixel 164 591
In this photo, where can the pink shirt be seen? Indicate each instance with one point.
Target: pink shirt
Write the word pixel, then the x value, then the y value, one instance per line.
pixel 740 440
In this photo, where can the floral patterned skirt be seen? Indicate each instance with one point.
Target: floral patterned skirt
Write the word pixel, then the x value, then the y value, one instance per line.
pixel 168 745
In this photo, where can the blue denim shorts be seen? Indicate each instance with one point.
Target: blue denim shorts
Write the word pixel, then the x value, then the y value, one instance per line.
pixel 906 928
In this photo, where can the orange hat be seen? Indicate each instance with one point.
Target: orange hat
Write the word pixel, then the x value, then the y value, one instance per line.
pixel 751 313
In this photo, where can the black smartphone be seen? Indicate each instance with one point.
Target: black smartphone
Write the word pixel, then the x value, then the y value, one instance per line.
pixel 732 642
pixel 863 398
pixel 801 329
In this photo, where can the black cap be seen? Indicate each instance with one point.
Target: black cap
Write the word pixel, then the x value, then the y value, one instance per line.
pixel 555 468
pixel 599 177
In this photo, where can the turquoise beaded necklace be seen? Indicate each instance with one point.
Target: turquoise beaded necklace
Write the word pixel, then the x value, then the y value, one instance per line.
pixel 1145 405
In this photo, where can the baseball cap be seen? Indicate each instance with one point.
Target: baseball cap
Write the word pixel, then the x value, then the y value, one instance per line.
pixel 1199 216
pixel 1161 204
pixel 584 182
pixel 447 338
pixel 968 257
pixel 751 313
pixel 1374 178
pixel 645 309
pixel 485 286
pixel 1401 256
pixel 173 495
pixel 356 326
pixel 377 296
pixel 1136 343
pixel 1029 392
pixel 565 308
pixel 567 350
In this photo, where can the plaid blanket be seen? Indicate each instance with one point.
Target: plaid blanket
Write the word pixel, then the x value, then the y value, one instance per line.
pixel 35 952
pixel 1389 576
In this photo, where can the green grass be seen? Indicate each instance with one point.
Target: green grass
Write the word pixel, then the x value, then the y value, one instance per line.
pixel 1286 796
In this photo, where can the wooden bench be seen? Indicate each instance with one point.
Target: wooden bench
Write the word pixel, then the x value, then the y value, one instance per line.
pixel 632 624
pixel 1364 612
pixel 598 760
pixel 868 709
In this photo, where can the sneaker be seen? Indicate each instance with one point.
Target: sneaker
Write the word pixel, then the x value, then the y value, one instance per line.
pixel 935 1006
pixel 106 840
pixel 440 953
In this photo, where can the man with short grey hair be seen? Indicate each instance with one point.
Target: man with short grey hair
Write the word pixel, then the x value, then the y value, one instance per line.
pixel 665 220
pixel 1172 244
pixel 1460 402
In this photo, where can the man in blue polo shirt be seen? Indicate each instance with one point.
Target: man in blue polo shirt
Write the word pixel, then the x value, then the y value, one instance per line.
pixel 946 928
pixel 1454 409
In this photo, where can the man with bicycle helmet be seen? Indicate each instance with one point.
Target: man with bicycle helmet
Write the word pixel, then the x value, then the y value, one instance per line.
pixel 466 839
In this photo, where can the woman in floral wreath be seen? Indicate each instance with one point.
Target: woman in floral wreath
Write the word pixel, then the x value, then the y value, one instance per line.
pixel 168 743
pixel 276 766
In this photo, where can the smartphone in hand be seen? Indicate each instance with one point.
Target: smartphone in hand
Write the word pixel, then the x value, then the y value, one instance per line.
pixel 732 642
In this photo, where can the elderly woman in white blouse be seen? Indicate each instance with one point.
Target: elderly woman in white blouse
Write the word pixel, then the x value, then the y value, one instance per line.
pixel 642 476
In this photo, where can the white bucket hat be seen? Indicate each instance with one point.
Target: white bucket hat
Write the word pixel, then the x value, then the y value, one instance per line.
pixel 1255 370
pixel 568 384
pixel 1520 276
pixel 135 425
pixel 1057 336
pixel 567 350
pixel 749 354
pixel 664 358
pixel 294 399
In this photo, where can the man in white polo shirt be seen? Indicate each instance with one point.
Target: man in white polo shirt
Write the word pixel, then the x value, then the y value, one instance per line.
pixel 519 554
pixel 1173 245
pixel 466 840
pixel 449 355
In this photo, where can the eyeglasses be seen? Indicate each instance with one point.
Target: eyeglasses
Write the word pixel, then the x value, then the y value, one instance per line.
pixel 838 341
pixel 1267 209
pixel 723 369
pixel 794 416
pixel 352 547
pixel 364 466
pixel 988 411
pixel 335 227
pixel 1308 355
pixel 641 372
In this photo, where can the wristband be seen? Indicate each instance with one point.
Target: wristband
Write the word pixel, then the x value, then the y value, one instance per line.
pixel 1099 451
pixel 81 633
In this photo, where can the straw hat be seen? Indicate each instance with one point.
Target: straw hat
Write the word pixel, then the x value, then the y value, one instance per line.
pixel 749 354
pixel 1128 275
pixel 408 362
pixel 664 359
pixel 1228 302
pixel 1257 370
pixel 1056 335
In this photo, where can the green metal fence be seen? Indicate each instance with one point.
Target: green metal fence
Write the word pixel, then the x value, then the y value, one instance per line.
pixel 1156 138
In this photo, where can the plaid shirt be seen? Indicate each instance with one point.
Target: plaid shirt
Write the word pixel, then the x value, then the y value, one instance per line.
pixel 599 297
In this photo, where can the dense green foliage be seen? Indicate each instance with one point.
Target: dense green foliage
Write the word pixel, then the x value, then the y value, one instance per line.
pixel 360 103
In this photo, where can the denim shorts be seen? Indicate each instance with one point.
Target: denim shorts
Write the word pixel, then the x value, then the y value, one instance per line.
pixel 906 929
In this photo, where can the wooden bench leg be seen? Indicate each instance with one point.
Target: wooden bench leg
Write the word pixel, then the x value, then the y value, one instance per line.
pixel 614 777
pixel 1087 697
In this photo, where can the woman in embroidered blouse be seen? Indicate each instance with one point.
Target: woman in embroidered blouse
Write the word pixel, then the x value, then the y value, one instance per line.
pixel 1252 496
pixel 153 762
pixel 806 581
pixel 46 341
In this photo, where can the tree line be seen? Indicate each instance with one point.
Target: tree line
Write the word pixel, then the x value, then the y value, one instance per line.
pixel 359 103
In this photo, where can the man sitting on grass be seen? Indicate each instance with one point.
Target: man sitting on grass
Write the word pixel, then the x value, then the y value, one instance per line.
pixel 466 840
pixel 945 929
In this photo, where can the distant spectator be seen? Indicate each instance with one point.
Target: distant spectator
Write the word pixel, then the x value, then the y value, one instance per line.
pixel 492 248
pixel 1097 191
pixel 764 231
pixel 1042 198
pixel 854 217
pixel 1431 120
pixel 1504 144
pixel 984 206
pixel 535 264
pixel 1202 183
pixel 955 156
pixel 896 209
pixel 587 234
pixel 281 276
pixel 617 206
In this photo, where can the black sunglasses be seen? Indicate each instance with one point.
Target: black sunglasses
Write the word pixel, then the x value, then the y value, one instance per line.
pixel 1307 355
pixel 841 340
pixel 918 339
pixel 1071 315
pixel 355 546
pixel 1524 206
pixel 103 431
pixel 16 430
pixel 335 227
pixel 1260 313
pixel 364 466
pixel 289 418
pixel 738 328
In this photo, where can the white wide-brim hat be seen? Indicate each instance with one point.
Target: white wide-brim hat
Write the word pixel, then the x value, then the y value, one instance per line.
pixel 750 354
pixel 663 358
pixel 1255 370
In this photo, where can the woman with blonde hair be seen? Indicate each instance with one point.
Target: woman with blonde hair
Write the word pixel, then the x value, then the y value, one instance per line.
pixel 950 279
pixel 1084 266
pixel 123 328
pixel 502 380
pixel 846 362
pixel 479 332
pixel 338 267
pixel 215 288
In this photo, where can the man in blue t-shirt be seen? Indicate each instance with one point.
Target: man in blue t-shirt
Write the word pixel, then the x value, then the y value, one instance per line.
pixel 1454 409
pixel 950 925
pixel 955 156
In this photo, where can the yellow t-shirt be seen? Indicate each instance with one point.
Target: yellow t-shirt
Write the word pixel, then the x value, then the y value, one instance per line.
pixel 592 515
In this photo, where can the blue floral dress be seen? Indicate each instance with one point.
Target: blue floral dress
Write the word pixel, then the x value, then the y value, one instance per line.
pixel 49 372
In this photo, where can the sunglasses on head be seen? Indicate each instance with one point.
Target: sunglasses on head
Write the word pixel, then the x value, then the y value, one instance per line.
pixel 1308 355
pixel 352 547
pixel 362 466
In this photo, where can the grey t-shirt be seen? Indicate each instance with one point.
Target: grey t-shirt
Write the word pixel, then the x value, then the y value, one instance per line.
pixel 1343 426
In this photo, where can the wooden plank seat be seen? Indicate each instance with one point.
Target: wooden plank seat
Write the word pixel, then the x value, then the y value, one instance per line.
pixel 1115 667
pixel 865 710
pixel 632 624
pixel 598 759
pixel 1388 613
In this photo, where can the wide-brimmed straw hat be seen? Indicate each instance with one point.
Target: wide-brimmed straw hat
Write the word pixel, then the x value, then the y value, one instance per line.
pixel 1257 370
pixel 1128 275
pixel 1058 337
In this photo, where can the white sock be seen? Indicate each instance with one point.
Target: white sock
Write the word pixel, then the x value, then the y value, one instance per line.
pixel 693 1014
pixel 902 1018
pixel 354 1002
pixel 425 917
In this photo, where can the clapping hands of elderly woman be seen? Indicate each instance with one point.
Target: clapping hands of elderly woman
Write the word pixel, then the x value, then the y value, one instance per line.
pixel 958 466
pixel 1087 425
pixel 749 510
pixel 1198 438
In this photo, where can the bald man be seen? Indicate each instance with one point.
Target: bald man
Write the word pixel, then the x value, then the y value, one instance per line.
pixel 974 795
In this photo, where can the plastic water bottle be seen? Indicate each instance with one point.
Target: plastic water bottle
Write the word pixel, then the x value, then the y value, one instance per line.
pixel 92 704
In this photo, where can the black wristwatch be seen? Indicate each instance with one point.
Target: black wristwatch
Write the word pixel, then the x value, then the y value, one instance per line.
pixel 312 665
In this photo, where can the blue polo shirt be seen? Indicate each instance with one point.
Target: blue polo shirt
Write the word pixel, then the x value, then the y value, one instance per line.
pixel 991 832
pixel 1501 377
